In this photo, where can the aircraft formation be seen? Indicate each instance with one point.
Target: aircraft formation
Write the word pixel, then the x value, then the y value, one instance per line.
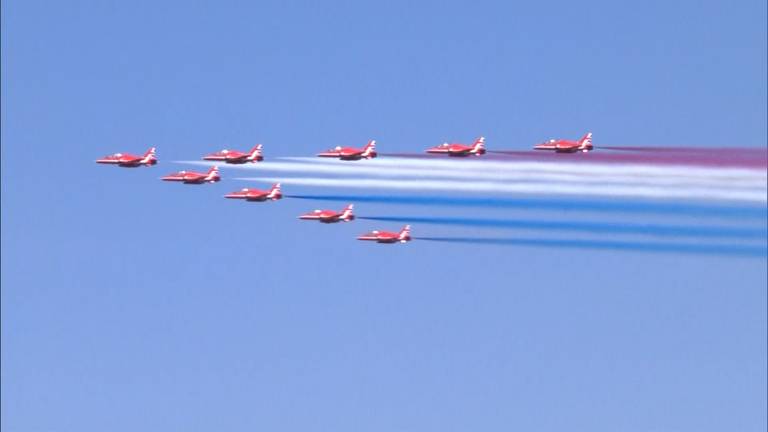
pixel 255 155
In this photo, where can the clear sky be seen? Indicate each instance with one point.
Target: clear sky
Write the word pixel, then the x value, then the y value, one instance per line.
pixel 132 304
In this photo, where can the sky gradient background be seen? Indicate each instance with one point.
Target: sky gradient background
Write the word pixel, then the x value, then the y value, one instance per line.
pixel 131 304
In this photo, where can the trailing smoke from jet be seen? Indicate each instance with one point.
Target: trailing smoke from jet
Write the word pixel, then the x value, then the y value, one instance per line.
pixel 554 165
pixel 613 206
pixel 526 177
pixel 760 251
pixel 708 231
pixel 550 188
pixel 735 151
pixel 513 174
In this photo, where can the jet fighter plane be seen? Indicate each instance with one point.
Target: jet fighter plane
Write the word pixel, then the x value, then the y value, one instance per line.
pixel 565 146
pixel 126 160
pixel 476 149
pixel 256 194
pixel 350 153
pixel 191 177
pixel 388 237
pixel 330 216
pixel 237 157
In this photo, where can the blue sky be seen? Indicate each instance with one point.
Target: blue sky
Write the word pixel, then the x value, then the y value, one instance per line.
pixel 132 304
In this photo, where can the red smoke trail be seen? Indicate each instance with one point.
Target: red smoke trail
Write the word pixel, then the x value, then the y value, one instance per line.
pixel 488 156
pixel 718 159
pixel 741 151
pixel 411 155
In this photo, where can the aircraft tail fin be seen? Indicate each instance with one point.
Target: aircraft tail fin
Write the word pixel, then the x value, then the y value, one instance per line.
pixel 275 193
pixel 585 143
pixel 347 215
pixel 405 234
pixel 255 153
pixel 479 146
pixel 149 157
pixel 213 174
pixel 370 149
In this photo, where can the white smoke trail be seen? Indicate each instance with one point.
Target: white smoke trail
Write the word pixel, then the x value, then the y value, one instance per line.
pixel 513 175
pixel 628 190
pixel 553 167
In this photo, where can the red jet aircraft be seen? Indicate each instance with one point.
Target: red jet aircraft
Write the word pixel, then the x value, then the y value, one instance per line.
pixel 388 237
pixel 191 177
pixel 237 157
pixel 477 149
pixel 330 216
pixel 350 153
pixel 257 195
pixel 565 146
pixel 126 160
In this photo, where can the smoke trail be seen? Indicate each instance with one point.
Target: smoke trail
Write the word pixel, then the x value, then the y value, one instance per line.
pixel 686 209
pixel 698 248
pixel 739 151
pixel 489 156
pixel 555 188
pixel 412 155
pixel 678 158
pixel 514 175
pixel 590 227
pixel 553 166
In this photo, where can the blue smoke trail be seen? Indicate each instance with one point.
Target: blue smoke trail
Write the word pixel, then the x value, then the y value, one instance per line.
pixel 591 227
pixel 736 211
pixel 712 249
